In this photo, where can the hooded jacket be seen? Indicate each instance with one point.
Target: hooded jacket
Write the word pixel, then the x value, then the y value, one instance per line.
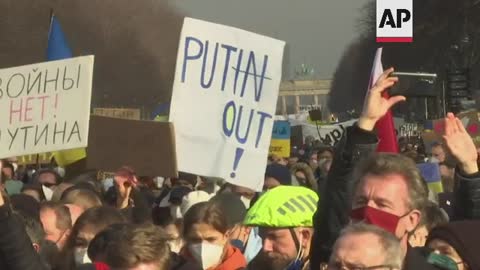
pixel 233 260
pixel 16 250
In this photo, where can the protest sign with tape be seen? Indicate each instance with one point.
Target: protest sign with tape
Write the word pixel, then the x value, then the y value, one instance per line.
pixel 280 144
pixel 224 98
pixel 46 106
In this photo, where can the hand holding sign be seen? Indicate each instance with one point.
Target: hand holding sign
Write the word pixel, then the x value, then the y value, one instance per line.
pixel 460 144
pixel 376 106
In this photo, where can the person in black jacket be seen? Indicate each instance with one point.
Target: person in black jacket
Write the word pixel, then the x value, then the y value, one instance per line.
pixel 392 200
pixel 16 249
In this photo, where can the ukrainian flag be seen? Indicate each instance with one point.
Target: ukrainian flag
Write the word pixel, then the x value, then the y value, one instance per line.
pixel 58 49
pixel 431 174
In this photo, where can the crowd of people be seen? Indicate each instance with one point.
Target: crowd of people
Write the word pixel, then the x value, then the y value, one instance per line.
pixel 346 207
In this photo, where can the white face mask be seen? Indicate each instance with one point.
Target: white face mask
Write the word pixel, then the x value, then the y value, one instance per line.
pixel 15 166
pixel 30 173
pixel 48 192
pixel 206 254
pixel 246 201
pixel 175 211
pixel 81 256
pixel 60 171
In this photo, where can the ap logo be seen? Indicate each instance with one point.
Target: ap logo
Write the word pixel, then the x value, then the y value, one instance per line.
pixel 394 20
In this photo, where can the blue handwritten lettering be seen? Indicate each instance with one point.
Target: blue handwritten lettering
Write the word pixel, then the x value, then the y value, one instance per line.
pixel 187 57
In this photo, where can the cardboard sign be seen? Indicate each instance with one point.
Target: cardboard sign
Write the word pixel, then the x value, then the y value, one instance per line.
pixel 409 130
pixel 146 146
pixel 280 144
pixel 224 99
pixel 132 114
pixel 45 107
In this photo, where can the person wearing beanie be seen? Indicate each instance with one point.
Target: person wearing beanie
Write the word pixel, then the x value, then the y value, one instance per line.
pixel 277 175
pixel 460 241
pixel 193 198
pixel 175 200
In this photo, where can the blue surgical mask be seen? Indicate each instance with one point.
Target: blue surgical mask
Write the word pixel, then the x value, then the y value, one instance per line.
pixel 296 265
pixel 254 245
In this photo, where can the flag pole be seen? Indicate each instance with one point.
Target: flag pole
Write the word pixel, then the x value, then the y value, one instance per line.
pixel 50 21
pixel 37 161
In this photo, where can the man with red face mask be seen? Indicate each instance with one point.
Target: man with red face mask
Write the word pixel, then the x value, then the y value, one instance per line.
pixel 386 189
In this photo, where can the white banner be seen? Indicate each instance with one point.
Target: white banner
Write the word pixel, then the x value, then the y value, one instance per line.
pixel 224 99
pixel 327 134
pixel 45 107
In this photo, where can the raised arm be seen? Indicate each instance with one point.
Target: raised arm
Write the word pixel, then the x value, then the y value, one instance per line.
pixel 467 176
pixel 358 141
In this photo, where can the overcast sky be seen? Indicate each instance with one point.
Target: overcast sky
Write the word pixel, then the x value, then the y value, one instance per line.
pixel 316 31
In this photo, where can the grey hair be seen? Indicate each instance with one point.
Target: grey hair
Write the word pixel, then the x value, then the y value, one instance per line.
pixel 382 164
pixel 389 243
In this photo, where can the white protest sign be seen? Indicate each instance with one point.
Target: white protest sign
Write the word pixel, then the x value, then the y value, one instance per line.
pixel 45 107
pixel 327 134
pixel 224 99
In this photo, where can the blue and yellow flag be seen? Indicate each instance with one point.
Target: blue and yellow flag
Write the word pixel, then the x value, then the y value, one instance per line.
pixel 431 174
pixel 280 143
pixel 58 49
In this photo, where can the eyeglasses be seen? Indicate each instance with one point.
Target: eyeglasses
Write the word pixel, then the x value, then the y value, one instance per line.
pixel 341 266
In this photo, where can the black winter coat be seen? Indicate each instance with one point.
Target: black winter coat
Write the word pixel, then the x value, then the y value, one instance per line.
pixel 16 249
pixel 335 204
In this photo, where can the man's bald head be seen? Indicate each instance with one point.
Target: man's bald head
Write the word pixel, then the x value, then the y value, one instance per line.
pixel 75 212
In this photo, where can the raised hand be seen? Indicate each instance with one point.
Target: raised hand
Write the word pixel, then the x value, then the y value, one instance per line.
pixel 460 144
pixel 375 105
pixel 124 188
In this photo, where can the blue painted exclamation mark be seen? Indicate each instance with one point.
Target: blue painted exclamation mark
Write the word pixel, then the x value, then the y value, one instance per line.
pixel 238 156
